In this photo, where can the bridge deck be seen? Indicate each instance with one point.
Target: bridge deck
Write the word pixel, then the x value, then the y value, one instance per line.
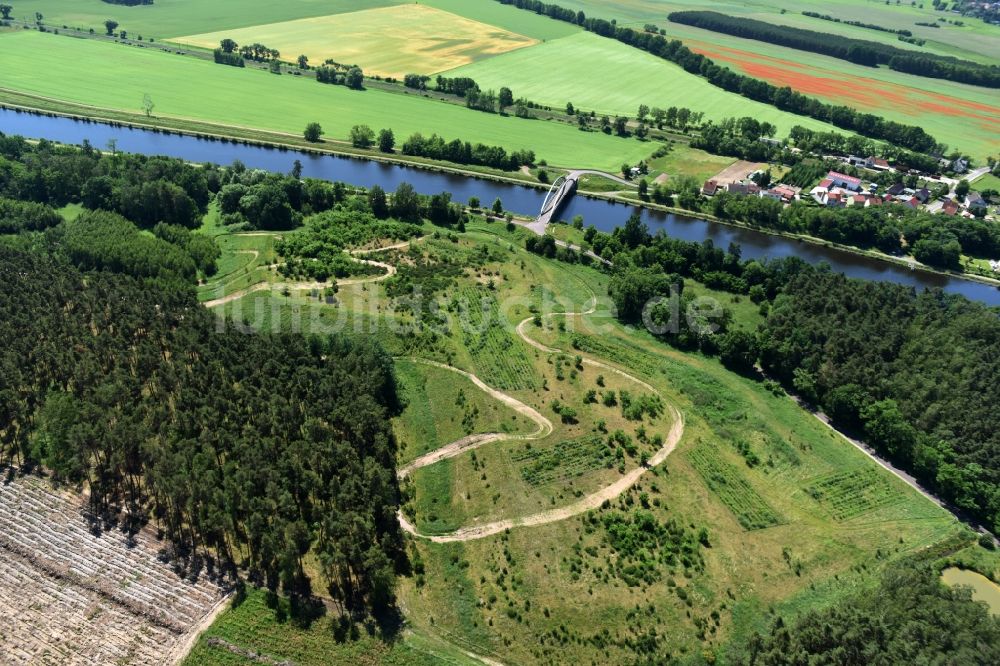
pixel 554 203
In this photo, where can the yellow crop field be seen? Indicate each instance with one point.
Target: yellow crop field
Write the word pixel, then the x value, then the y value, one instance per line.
pixel 390 41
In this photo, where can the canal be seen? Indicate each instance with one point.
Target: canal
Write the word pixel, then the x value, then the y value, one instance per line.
pixel 603 214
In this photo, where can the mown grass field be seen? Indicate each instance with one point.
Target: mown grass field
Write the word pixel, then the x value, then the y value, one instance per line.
pixel 600 74
pixel 410 39
pixel 682 160
pixel 113 76
pixel 788 526
pixel 170 18
pixel 987 182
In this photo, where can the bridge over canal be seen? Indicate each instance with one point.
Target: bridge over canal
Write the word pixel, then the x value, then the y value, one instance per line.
pixel 562 189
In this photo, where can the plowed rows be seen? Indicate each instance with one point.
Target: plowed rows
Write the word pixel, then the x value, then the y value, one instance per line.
pixel 68 596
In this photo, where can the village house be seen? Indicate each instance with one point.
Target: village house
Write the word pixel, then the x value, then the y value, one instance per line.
pixel 709 188
pixel 877 163
pixel 834 199
pixel 784 193
pixel 743 189
pixel 949 208
pixel 896 189
pixel 843 180
pixel 974 202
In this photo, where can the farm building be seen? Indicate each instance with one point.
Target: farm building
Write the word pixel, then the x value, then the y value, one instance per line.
pixel 843 180
pixel 975 202
pixel 743 189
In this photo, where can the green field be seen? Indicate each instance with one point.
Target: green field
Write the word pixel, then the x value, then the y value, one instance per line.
pixel 265 624
pixel 974 40
pixel 170 18
pixel 112 76
pixel 987 182
pixel 962 116
pixel 569 69
pixel 507 17
pixel 412 39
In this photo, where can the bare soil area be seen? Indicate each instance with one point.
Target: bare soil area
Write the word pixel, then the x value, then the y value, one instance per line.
pixel 73 594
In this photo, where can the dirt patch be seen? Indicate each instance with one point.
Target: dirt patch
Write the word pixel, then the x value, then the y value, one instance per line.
pixel 736 172
pixel 71 594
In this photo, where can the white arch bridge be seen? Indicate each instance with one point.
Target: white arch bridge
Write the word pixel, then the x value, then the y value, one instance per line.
pixel 560 192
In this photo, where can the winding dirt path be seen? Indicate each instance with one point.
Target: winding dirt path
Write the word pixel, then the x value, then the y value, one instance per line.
pixel 543 428
pixel 588 503
pixel 389 269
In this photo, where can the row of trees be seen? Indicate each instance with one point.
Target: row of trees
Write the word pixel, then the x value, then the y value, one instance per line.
pixel 908 136
pixel 859 51
pixel 464 152
pixel 146 190
pixel 860 24
pixel 352 77
pixel 738 137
